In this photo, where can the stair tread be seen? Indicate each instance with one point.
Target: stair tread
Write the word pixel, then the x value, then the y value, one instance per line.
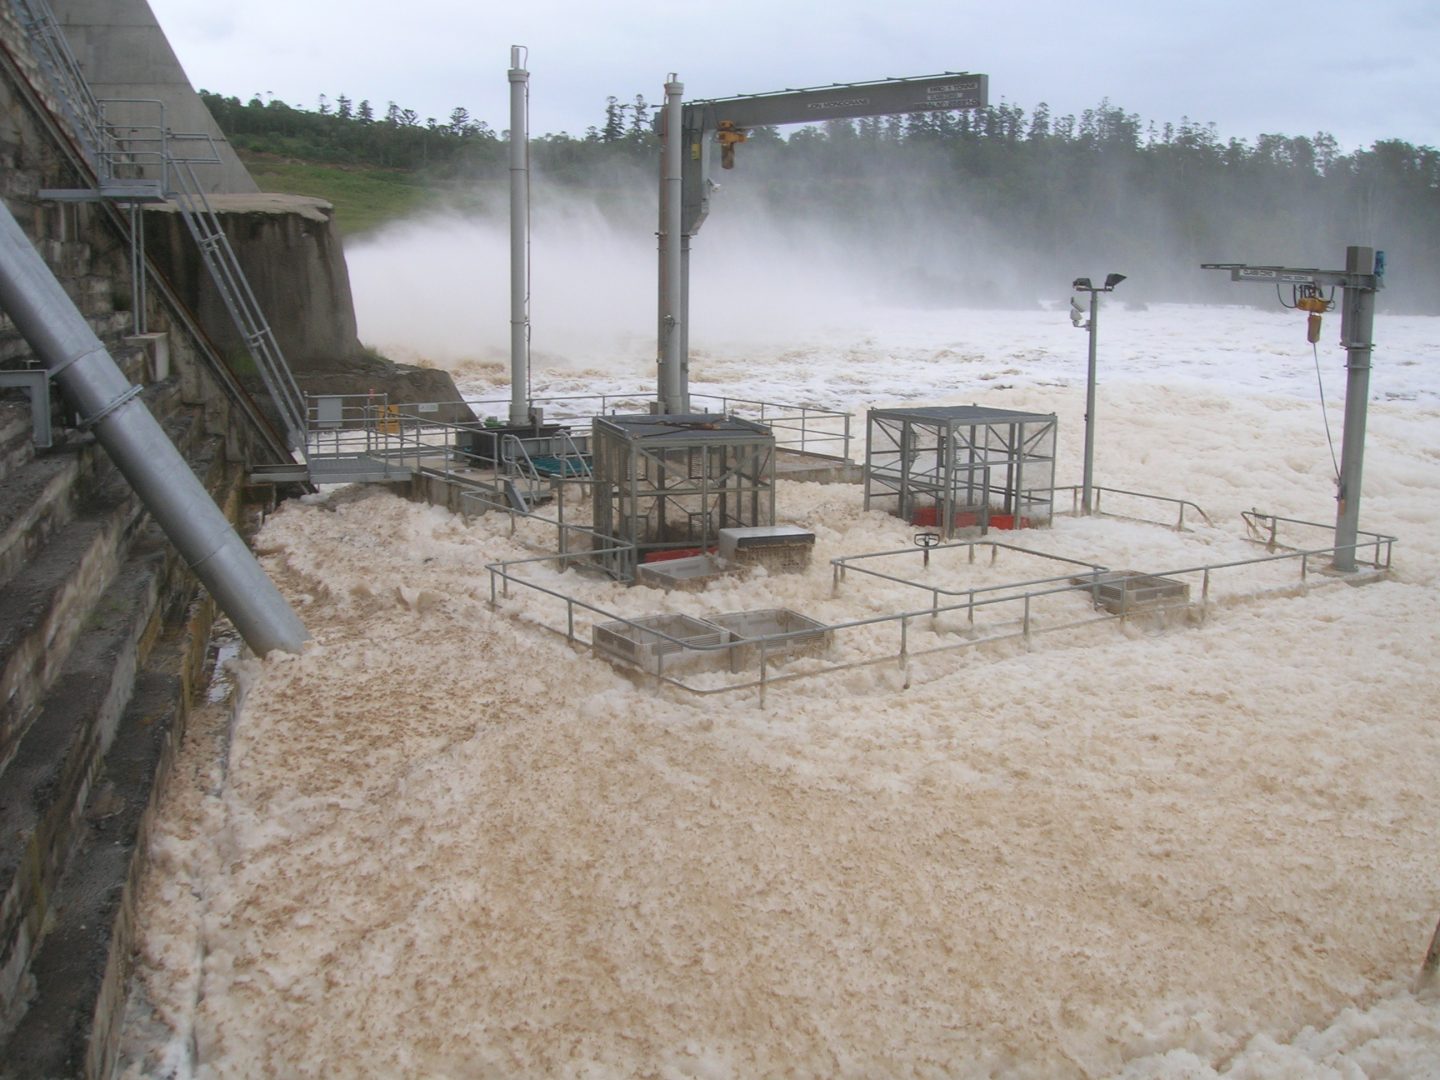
pixel 35 500
pixel 84 957
pixel 86 680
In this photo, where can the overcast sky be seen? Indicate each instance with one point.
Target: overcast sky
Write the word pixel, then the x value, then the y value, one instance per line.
pixel 1359 71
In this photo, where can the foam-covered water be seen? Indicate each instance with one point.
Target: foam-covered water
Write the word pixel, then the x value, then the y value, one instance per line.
pixel 446 844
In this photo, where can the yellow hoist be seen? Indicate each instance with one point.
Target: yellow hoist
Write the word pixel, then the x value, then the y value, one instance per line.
pixel 728 136
pixel 1307 298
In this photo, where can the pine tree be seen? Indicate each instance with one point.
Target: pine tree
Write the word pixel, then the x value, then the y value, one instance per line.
pixel 614 129
pixel 640 118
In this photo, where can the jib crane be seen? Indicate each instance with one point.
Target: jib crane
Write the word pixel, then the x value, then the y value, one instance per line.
pixel 688 134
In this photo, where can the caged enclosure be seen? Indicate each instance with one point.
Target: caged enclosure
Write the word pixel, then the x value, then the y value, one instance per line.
pixel 961 466
pixel 671 483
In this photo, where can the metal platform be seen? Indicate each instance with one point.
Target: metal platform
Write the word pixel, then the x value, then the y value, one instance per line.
pixel 360 469
pixel 657 643
pixel 1123 592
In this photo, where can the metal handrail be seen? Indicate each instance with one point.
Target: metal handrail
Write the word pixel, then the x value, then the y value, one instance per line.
pixel 1025 624
pixel 102 148
pixel 841 566
pixel 234 287
pixel 623 554
pixel 1253 519
pixel 1303 556
pixel 71 88
pixel 802 419
pixel 1076 489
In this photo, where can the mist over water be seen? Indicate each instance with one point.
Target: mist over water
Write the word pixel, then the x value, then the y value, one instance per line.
pixel 799 244
pixel 438 288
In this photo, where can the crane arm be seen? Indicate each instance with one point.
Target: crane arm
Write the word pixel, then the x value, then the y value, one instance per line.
pixel 843 101
pixel 728 118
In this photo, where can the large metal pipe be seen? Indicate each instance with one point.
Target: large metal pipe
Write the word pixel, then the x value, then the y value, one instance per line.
pixel 671 390
pixel 95 387
pixel 519 240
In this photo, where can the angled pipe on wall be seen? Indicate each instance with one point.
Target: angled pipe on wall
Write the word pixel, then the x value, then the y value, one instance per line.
pixel 95 386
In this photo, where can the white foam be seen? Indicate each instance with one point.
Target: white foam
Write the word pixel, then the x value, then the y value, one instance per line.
pixel 448 844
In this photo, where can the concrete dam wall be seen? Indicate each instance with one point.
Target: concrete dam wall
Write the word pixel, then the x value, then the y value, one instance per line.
pixel 106 638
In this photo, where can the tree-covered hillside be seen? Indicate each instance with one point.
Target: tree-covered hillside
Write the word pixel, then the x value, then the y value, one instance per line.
pixel 1054 194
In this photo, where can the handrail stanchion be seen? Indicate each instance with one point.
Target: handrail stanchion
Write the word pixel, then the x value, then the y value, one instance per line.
pixel 764 672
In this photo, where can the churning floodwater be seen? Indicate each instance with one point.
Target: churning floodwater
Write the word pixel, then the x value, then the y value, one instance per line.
pixel 444 843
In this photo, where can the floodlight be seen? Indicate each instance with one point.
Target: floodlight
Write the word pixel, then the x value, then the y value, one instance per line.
pixel 1083 283
pixel 1111 280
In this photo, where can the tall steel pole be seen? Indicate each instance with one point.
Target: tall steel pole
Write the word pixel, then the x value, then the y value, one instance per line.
pixel 1363 276
pixel 1089 472
pixel 670 392
pixel 1357 324
pixel 519 240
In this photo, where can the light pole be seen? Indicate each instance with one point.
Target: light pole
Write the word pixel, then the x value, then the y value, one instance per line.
pixel 1076 315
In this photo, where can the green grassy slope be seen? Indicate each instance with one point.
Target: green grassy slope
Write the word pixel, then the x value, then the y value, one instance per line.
pixel 365 198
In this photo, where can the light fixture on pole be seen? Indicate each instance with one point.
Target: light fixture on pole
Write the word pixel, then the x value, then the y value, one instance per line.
pixel 1077 314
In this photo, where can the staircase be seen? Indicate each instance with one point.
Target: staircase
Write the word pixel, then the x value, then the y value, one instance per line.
pixel 104 634
pixel 135 161
pixel 103 638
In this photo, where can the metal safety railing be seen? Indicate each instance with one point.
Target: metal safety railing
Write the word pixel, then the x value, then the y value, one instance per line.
pixel 804 428
pixel 234 288
pixel 1264 528
pixel 517 454
pixel 1013 607
pixel 1015 613
pixel 57 63
pixel 575 545
pixel 844 565
pixel 133 160
pixel 1098 492
pixel 364 433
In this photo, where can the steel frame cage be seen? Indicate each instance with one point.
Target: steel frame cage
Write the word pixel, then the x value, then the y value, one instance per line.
pixel 674 481
pixel 963 462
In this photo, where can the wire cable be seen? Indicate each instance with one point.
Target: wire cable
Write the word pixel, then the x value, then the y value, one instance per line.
pixel 1324 413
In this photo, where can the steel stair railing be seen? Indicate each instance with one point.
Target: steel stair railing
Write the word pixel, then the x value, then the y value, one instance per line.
pixel 58 64
pixel 103 150
pixel 234 288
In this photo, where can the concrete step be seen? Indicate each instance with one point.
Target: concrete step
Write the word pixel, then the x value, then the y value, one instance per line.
pixel 35 501
pixel 65 523
pixel 79 973
pixel 50 776
pixel 47 605
pixel 17 443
